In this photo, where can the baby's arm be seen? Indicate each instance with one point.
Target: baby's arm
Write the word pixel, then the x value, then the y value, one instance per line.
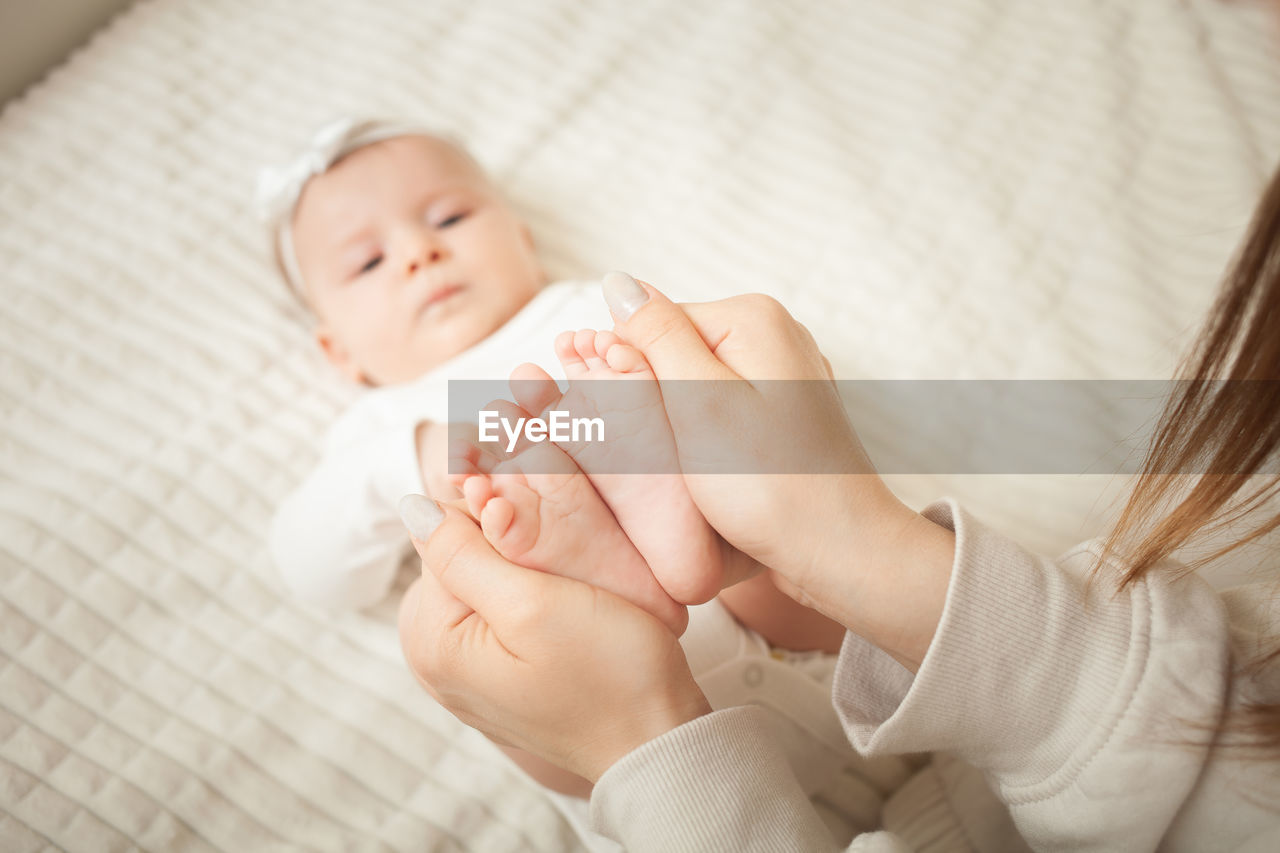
pixel 780 619
pixel 337 540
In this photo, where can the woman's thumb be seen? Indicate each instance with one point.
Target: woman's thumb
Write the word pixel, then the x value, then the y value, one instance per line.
pixel 660 329
pixel 454 550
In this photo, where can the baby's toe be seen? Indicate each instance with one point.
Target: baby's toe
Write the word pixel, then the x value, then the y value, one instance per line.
pixel 508 477
pixel 605 340
pixel 459 472
pixel 626 359
pixel 462 450
pixel 467 458
pixel 463 461
pixel 497 521
pixel 515 519
pixel 584 341
pixel 573 363
pixel 476 491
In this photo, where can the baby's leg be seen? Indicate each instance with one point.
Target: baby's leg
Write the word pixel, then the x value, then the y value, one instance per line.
pixel 540 511
pixel 779 618
pixel 650 500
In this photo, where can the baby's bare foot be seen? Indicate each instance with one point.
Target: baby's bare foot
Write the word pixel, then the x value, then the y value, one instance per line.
pixel 540 511
pixel 650 500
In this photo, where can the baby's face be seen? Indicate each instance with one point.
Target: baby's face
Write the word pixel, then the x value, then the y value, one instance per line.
pixel 409 257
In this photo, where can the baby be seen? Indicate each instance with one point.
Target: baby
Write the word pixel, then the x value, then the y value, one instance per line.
pixel 418 271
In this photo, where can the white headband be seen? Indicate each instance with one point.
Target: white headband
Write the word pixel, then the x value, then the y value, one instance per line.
pixel 280 187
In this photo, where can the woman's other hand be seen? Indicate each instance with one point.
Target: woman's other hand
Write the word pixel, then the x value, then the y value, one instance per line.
pixel 551 665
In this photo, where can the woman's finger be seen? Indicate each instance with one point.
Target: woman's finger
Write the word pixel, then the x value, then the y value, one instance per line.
pixel 455 552
pixel 656 326
pixel 750 337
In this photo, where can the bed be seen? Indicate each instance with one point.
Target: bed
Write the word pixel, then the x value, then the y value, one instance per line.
pixel 968 189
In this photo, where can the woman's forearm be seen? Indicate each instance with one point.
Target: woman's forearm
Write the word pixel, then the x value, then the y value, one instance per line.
pixel 883 573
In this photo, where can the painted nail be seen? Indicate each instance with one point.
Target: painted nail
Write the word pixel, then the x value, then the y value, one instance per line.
pixel 420 515
pixel 623 294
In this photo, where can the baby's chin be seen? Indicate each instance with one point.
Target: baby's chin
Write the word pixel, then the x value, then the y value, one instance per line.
pixel 438 338
pixel 464 336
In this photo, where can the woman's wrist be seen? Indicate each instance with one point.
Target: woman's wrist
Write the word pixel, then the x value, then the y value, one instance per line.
pixel 884 571
pixel 906 584
pixel 639 729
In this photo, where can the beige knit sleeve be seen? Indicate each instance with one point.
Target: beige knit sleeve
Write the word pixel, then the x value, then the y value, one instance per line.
pixel 719 783
pixel 1080 703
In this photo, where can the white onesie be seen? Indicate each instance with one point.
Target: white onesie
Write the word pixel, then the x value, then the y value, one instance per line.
pixel 338 542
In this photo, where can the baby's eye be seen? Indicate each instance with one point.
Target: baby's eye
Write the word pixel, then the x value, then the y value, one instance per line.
pixel 370 264
pixel 452 220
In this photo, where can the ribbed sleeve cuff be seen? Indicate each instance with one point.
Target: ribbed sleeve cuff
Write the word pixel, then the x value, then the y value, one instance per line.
pixel 720 782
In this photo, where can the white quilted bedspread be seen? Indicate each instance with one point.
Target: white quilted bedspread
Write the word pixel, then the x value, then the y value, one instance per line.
pixel 967 188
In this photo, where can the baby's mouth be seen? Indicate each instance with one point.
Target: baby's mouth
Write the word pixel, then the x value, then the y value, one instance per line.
pixel 440 295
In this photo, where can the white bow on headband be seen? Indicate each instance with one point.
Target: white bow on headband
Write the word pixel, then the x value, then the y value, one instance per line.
pixel 279 186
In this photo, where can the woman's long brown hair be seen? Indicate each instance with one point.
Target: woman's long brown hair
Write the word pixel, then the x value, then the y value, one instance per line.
pixel 1223 423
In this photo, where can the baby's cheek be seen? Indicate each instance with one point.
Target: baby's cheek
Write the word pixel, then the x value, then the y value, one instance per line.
pixel 387 354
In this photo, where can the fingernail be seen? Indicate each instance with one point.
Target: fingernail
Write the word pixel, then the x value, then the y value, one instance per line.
pixel 623 294
pixel 420 515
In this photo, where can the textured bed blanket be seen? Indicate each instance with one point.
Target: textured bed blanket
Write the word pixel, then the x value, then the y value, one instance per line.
pixel 970 188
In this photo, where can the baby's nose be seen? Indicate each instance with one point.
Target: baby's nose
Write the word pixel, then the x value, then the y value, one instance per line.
pixel 430 256
pixel 425 255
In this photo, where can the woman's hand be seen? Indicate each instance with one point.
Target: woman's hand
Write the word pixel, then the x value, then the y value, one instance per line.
pixel 773 463
pixel 554 666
